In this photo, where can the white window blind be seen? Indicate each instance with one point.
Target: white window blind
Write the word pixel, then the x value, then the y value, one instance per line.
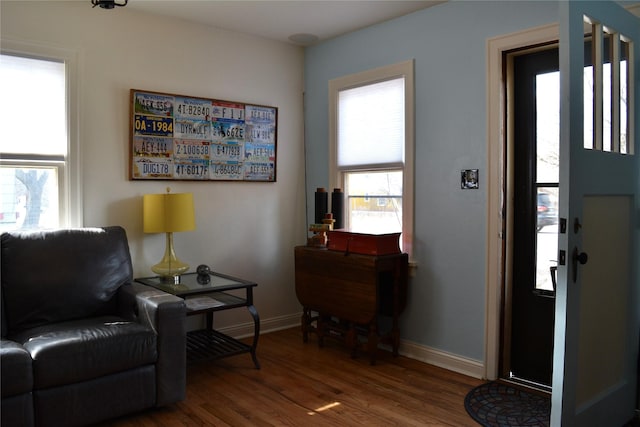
pixel 371 122
pixel 33 114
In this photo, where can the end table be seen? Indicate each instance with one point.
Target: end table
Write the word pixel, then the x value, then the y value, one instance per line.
pixel 206 294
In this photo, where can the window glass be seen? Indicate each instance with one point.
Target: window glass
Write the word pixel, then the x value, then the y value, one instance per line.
pixel 28 198
pixel 374 201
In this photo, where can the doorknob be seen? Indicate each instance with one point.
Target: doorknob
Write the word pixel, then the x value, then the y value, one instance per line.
pixel 582 257
pixel 578 257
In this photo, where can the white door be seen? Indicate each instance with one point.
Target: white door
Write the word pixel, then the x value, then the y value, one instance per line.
pixel 597 307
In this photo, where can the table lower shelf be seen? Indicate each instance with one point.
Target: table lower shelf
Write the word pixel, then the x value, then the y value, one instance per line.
pixel 209 344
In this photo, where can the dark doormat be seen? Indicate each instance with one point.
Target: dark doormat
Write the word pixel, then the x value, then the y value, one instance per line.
pixel 496 404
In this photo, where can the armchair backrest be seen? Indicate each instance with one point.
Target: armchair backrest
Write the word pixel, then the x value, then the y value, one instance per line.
pixel 58 275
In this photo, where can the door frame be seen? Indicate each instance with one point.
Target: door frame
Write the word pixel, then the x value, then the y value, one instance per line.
pixel 498 219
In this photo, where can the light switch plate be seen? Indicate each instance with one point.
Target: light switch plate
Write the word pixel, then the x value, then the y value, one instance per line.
pixel 469 179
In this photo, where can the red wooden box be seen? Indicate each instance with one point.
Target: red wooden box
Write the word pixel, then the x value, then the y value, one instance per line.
pixel 366 244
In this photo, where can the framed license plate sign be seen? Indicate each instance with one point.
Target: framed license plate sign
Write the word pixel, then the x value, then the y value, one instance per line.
pixel 176 137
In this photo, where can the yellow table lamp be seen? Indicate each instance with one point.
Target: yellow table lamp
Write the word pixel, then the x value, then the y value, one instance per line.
pixel 169 213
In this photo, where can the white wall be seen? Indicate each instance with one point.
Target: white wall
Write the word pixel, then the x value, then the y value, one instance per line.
pixel 243 229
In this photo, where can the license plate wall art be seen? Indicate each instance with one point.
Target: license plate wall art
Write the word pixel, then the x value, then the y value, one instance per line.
pixel 176 137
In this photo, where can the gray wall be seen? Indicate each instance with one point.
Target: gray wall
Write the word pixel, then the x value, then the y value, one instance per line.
pixel 446 309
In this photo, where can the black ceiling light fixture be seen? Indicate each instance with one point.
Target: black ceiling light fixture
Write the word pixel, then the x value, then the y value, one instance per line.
pixel 108 4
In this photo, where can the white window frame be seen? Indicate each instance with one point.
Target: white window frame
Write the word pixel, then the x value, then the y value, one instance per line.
pixel 403 69
pixel 68 168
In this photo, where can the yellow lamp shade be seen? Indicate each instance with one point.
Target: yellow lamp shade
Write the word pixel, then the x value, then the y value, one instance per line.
pixel 168 213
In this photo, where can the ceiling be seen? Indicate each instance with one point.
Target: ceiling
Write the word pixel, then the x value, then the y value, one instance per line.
pixel 301 22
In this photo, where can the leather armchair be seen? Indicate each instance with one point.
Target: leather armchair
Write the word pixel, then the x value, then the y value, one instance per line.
pixel 80 342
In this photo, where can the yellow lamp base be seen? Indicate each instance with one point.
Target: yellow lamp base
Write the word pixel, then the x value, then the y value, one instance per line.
pixel 170 265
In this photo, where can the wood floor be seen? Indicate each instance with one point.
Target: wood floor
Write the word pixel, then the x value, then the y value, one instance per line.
pixel 304 385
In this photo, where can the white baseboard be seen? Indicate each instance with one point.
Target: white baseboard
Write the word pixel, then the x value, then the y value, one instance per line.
pixel 273 324
pixel 442 359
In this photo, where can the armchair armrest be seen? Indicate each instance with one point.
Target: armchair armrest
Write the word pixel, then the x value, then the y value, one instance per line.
pixel 165 314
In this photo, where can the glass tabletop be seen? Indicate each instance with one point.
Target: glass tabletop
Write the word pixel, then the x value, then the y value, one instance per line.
pixel 193 283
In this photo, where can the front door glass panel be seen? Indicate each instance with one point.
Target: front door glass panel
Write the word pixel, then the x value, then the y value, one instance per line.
pixel 547 175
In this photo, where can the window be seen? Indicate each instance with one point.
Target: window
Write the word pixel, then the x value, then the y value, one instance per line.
pixel 371 149
pixel 606 91
pixel 37 159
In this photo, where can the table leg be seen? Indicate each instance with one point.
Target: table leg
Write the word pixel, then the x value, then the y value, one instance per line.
pixel 395 340
pixel 372 344
pixel 209 320
pixel 304 324
pixel 351 339
pixel 256 334
pixel 322 327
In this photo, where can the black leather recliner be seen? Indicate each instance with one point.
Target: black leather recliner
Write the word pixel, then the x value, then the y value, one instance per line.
pixel 80 342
